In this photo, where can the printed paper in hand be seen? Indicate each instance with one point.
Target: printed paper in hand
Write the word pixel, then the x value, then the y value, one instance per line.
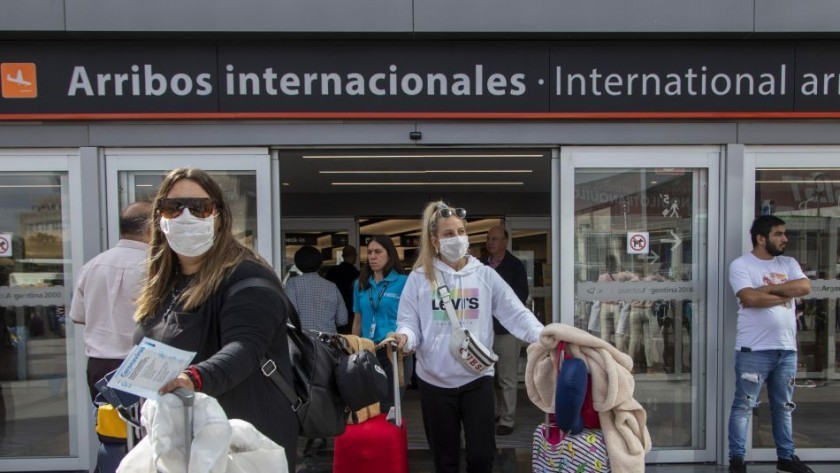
pixel 149 366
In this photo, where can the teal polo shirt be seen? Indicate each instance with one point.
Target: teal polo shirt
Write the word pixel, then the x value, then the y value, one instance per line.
pixel 380 303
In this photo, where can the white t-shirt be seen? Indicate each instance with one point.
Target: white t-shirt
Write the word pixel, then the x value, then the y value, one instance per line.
pixel 766 328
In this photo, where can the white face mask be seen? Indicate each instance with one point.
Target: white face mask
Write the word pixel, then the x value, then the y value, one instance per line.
pixel 188 235
pixel 454 248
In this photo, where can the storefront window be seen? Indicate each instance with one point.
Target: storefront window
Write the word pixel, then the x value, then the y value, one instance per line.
pixel 808 200
pixel 34 264
pixel 640 239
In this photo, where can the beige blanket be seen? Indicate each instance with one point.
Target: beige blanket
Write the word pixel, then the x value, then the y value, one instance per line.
pixel 623 419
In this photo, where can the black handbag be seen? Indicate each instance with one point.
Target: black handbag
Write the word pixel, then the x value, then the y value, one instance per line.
pixel 361 380
pixel 314 356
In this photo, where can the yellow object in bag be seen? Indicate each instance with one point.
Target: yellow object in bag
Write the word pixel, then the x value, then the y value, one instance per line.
pixel 109 424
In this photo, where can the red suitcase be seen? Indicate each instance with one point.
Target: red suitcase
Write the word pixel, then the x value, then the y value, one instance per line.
pixel 375 445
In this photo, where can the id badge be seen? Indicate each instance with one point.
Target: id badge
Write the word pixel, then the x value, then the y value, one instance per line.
pixel 372 330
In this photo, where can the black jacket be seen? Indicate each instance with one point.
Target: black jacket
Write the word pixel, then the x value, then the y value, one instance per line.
pixel 343 276
pixel 230 337
pixel 512 271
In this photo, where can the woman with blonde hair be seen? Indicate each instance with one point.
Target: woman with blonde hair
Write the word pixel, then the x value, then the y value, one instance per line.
pixel 194 261
pixel 450 393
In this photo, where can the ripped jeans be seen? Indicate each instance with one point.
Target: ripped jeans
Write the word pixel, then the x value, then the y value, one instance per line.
pixel 776 369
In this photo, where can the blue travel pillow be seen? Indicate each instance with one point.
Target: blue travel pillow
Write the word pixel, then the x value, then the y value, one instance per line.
pixel 569 395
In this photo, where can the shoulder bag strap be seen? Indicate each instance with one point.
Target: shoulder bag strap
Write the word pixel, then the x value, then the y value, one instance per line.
pixel 267 365
pixel 446 300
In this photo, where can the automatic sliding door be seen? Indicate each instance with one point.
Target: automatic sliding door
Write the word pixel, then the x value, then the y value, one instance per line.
pixel 641 254
pixel 802 188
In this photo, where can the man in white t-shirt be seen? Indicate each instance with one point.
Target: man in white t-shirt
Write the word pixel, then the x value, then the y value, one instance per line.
pixel 766 285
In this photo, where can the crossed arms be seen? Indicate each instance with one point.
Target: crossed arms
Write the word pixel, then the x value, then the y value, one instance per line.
pixel 775 294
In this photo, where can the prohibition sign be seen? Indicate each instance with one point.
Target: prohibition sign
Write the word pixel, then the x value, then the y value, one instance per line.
pixel 4 245
pixel 638 243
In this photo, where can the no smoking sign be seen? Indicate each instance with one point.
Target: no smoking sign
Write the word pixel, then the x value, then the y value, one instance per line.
pixel 638 243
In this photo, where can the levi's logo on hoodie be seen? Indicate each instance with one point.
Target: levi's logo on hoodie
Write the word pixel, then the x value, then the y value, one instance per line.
pixel 465 301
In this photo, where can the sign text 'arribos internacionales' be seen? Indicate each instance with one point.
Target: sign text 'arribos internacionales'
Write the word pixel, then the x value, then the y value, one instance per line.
pixel 420 79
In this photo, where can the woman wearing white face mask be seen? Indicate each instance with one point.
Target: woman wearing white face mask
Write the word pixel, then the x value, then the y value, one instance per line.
pixel 194 260
pixel 450 393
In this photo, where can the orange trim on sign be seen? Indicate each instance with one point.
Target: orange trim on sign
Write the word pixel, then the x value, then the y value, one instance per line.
pixel 415 115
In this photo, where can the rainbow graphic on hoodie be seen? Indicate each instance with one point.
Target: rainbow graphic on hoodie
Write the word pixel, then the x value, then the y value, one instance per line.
pixel 466 302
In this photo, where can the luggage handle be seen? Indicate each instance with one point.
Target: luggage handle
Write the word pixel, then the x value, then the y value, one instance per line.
pixel 188 398
pixel 392 351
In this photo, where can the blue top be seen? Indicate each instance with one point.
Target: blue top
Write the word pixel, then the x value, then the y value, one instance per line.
pixel 381 301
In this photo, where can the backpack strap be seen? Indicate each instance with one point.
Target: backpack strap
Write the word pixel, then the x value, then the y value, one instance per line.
pixel 267 366
pixel 257 281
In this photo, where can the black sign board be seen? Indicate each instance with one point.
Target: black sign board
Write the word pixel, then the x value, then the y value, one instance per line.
pixel 301 239
pixel 339 239
pixel 418 79
pixel 409 241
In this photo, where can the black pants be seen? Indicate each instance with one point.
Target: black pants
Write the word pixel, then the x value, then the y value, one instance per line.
pixel 445 410
pixel 97 368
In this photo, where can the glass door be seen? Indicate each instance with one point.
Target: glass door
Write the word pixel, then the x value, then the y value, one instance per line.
pixel 801 185
pixel 244 175
pixel 635 268
pixel 43 420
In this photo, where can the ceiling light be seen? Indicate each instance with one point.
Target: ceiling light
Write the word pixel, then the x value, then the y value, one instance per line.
pixel 435 171
pixel 424 156
pixel 14 186
pixel 498 183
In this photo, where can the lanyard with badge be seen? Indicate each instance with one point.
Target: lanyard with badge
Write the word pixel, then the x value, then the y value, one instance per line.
pixel 382 289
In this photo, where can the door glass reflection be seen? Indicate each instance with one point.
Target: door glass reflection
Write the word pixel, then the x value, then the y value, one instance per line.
pixel 34 265
pixel 639 276
pixel 808 200
pixel 240 190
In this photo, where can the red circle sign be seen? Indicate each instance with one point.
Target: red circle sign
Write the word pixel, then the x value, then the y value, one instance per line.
pixel 638 242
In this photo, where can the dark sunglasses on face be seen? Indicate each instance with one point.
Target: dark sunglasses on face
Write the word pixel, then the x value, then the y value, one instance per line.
pixel 201 207
pixel 447 212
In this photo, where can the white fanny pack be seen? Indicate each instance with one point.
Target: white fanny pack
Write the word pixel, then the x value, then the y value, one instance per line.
pixel 465 347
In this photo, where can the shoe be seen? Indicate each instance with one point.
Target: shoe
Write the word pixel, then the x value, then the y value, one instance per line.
pixel 794 465
pixel 806 383
pixel 737 465
pixel 504 430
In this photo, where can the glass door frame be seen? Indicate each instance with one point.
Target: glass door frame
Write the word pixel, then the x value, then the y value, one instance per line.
pixel 257 160
pixel 512 224
pixel 783 157
pixel 690 157
pixel 80 432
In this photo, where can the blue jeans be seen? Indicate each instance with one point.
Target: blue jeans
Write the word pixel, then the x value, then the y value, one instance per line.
pixel 776 368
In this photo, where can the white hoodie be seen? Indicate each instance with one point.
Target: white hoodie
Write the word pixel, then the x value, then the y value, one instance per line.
pixel 477 293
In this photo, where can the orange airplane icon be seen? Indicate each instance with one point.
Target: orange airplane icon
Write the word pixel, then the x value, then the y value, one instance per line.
pixel 18 80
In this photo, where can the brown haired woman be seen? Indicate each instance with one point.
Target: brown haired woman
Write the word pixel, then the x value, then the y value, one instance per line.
pixel 194 260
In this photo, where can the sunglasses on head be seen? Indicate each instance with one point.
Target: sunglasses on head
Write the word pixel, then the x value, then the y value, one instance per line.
pixel 447 212
pixel 201 207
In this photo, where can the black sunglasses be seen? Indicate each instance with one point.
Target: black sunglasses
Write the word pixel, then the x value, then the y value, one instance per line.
pixel 447 212
pixel 201 207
